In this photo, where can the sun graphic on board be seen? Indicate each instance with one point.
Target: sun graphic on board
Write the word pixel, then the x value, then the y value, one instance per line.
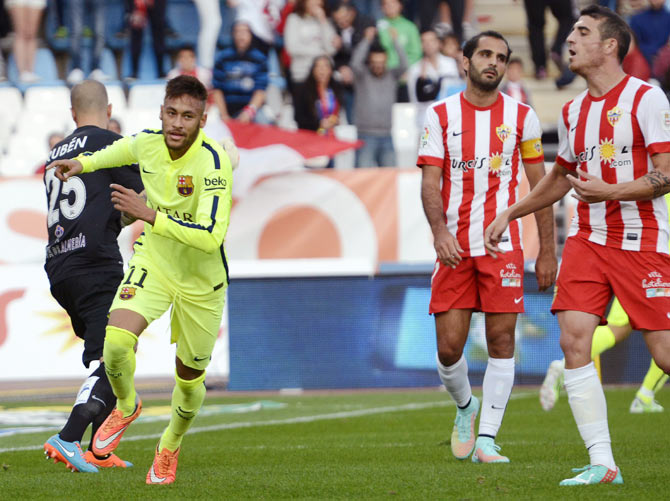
pixel 61 328
pixel 495 163
pixel 607 150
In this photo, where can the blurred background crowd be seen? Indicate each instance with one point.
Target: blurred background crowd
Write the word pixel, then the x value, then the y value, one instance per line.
pixel 357 69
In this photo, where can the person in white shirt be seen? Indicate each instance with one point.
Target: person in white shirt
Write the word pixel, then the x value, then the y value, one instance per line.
pixel 429 78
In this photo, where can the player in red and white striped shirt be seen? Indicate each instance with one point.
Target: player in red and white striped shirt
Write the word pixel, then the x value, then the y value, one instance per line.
pixel 614 140
pixel 475 144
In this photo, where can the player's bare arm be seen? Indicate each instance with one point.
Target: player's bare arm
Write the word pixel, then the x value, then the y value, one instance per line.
pixel 65 168
pixel 654 184
pixel 549 190
pixel 446 245
pixel 546 264
pixel 131 204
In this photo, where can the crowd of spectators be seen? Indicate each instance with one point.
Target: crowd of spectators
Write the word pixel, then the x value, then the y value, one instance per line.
pixel 340 61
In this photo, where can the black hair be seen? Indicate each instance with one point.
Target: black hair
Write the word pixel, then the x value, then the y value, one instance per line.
pixel 612 26
pixel 471 45
pixel 186 85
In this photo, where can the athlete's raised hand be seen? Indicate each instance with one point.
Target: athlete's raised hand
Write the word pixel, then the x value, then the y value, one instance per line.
pixel 591 191
pixel 493 234
pixel 131 204
pixel 65 168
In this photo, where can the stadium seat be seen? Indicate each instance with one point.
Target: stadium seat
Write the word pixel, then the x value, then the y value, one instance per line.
pixel 137 119
pixel 146 96
pixel 41 98
pixel 24 155
pixel 38 125
pixel 45 67
pixel 117 98
pixel 405 134
pixel 182 16
pixel 11 103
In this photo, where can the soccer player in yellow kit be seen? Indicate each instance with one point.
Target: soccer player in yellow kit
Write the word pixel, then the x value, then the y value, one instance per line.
pixel 605 337
pixel 179 261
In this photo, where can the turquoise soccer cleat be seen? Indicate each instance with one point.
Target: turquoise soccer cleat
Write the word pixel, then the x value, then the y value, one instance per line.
pixel 69 453
pixel 463 434
pixel 594 474
pixel 487 451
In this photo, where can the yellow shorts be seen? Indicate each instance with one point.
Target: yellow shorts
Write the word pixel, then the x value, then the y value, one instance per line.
pixel 194 321
pixel 617 315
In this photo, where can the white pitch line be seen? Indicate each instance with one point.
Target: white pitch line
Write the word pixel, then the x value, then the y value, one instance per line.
pixel 293 420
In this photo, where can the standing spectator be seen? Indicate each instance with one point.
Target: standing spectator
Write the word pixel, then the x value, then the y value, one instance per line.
pixel 430 8
pixel 350 25
pixel 263 17
pixel 97 11
pixel 408 37
pixel 209 15
pixel 651 28
pixel 514 86
pixel 375 91
pixel 308 34
pixel 141 13
pixel 428 76
pixel 562 11
pixel 240 78
pixel 318 106
pixel 26 16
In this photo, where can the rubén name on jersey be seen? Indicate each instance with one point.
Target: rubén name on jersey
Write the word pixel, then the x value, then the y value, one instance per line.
pixel 77 143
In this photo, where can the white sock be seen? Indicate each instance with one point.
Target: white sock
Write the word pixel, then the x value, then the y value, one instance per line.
pixel 497 387
pixel 455 380
pixel 589 408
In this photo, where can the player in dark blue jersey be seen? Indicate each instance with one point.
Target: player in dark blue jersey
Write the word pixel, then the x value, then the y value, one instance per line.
pixel 84 265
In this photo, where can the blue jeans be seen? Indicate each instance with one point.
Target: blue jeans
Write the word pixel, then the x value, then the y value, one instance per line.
pixel 96 10
pixel 376 152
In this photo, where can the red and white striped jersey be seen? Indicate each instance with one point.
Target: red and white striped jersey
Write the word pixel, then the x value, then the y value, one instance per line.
pixel 613 138
pixel 481 151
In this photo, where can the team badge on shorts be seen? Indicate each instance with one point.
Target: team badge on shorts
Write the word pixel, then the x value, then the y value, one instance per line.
pixel 185 186
pixel 127 293
pixel 613 115
pixel 503 131
pixel 655 286
pixel 510 277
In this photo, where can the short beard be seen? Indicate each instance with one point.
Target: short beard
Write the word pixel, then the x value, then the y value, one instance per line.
pixel 485 86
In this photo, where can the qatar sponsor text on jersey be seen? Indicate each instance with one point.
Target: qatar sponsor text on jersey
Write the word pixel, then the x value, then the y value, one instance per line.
pixel 613 138
pixel 481 151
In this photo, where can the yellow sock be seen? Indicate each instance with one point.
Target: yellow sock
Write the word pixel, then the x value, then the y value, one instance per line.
pixel 119 355
pixel 187 398
pixel 603 340
pixel 653 381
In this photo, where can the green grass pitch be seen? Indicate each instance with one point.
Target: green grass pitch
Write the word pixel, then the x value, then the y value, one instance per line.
pixel 372 445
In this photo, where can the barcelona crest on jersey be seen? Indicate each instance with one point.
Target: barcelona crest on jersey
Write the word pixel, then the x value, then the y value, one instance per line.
pixel 503 131
pixel 127 293
pixel 185 186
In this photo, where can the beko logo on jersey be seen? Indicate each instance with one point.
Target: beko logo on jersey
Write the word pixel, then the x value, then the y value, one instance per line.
pixel 215 183
pixel 75 143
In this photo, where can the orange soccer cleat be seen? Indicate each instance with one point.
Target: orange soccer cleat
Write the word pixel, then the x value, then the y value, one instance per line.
pixel 109 462
pixel 164 468
pixel 109 435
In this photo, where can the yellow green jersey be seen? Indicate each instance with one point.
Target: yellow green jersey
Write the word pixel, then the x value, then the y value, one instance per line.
pixel 192 197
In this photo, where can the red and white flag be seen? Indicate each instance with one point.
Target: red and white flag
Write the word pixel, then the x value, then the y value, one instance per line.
pixel 266 149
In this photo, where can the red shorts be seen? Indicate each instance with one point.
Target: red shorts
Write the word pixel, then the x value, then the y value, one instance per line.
pixel 479 283
pixel 591 273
